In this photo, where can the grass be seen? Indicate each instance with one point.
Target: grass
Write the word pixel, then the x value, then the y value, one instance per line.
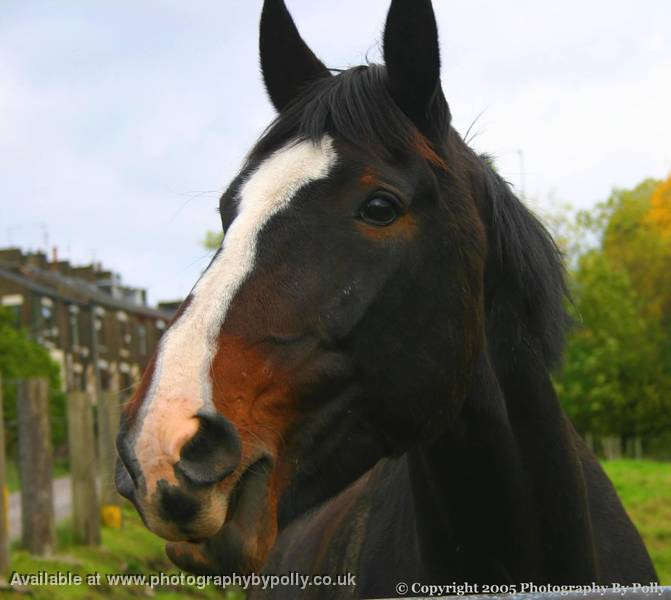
pixel 131 549
pixel 645 489
pixel 644 486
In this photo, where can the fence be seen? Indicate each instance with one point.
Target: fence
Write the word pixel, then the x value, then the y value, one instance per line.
pixel 4 496
pixel 92 424
pixel 91 431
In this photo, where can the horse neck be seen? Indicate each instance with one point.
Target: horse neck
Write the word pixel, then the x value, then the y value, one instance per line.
pixel 547 447
pixel 469 494
pixel 500 497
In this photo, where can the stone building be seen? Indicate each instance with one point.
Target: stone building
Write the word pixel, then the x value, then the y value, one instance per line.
pixel 100 332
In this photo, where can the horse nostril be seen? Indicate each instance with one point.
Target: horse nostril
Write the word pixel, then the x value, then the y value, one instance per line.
pixel 213 453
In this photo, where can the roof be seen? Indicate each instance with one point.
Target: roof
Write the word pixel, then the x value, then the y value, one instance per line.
pixel 24 281
pixel 75 290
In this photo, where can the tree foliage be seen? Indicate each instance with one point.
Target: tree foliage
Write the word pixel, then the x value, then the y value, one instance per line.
pixel 213 239
pixel 635 239
pixel 20 358
pixel 616 378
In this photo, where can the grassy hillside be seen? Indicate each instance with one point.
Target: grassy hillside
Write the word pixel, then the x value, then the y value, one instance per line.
pixel 645 489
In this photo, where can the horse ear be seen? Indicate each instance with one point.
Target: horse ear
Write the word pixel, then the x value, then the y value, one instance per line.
pixel 286 61
pixel 412 58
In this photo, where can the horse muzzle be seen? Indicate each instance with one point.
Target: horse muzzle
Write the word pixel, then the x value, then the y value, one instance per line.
pixel 188 484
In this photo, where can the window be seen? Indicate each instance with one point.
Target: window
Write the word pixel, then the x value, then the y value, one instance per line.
pixel 124 328
pixel 125 379
pixel 73 320
pixel 104 380
pixel 78 379
pixel 99 316
pixel 142 339
pixel 104 377
pixel 13 303
pixel 48 329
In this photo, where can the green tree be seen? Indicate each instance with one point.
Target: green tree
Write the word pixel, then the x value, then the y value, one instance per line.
pixel 213 239
pixel 613 381
pixel 637 237
pixel 634 238
pixel 20 357
pixel 616 378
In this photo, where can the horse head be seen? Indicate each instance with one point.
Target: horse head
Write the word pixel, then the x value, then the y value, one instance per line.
pixel 343 315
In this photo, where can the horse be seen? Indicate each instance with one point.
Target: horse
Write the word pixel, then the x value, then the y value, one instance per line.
pixel 360 382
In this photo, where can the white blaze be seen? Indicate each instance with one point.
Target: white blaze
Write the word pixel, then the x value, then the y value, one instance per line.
pixel 181 383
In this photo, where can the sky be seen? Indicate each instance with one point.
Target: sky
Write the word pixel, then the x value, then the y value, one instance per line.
pixel 121 121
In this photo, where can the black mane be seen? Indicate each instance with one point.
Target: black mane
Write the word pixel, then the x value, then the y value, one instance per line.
pixel 355 106
pixel 525 275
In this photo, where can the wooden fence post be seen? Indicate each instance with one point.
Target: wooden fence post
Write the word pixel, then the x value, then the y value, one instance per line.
pixel 82 452
pixel 612 447
pixel 4 498
pixel 109 410
pixel 35 465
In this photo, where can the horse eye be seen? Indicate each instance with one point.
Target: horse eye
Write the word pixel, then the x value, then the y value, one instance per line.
pixel 379 211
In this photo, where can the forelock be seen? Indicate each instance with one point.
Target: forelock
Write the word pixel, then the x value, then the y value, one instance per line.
pixel 355 106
